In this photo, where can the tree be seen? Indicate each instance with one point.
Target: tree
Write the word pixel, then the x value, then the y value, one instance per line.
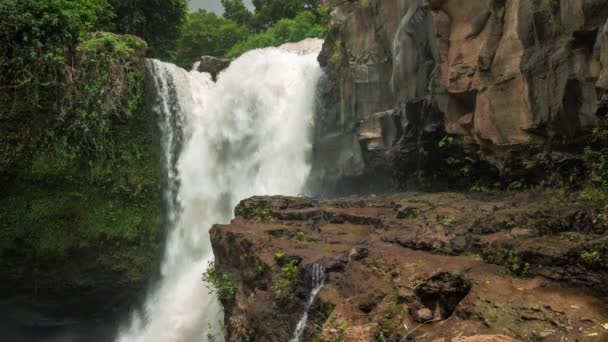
pixel 207 34
pixel 303 26
pixel 158 22
pixel 268 12
pixel 236 11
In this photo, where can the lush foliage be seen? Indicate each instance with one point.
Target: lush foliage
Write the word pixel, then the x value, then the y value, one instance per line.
pixel 236 11
pixel 304 25
pixel 269 12
pixel 158 22
pixel 238 31
pixel 205 33
pixel 220 283
pixel 79 159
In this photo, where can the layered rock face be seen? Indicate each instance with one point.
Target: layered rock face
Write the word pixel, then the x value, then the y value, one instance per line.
pixel 499 76
pixel 437 267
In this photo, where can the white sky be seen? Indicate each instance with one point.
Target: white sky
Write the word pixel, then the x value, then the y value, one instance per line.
pixel 212 5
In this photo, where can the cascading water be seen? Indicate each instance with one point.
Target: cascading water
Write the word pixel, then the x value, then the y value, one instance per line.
pixel 317 282
pixel 248 134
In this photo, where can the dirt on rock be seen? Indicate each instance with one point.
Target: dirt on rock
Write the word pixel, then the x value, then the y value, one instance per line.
pixel 434 267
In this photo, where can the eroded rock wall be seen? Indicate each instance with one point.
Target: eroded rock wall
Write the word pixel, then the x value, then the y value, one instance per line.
pixel 499 76
pixel 519 265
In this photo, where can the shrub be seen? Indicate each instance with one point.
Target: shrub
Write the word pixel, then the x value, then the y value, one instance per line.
pixel 409 213
pixel 220 283
pixel 285 282
pixel 259 212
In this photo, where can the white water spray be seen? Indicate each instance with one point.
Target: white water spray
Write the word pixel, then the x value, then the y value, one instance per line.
pixel 317 282
pixel 248 134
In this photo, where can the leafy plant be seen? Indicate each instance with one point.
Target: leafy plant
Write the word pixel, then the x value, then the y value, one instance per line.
pixel 409 213
pixel 220 283
pixel 595 257
pixel 300 236
pixel 285 282
pixel 447 221
pixel 517 266
pixel 260 212
pixel 279 256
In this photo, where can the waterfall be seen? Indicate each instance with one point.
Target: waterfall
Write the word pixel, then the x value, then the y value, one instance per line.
pixel 317 282
pixel 247 134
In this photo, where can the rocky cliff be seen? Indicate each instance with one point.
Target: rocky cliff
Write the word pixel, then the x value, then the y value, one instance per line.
pixel 439 267
pixel 499 78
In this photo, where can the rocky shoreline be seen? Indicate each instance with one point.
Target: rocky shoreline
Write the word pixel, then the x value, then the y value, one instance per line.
pixel 427 267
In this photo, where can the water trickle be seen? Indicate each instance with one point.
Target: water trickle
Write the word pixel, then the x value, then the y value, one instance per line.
pixel 247 134
pixel 317 282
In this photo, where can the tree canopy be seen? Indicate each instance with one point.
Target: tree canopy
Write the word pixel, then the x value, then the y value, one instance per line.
pixel 205 33
pixel 158 22
pixel 274 22
pixel 236 11
pixel 268 12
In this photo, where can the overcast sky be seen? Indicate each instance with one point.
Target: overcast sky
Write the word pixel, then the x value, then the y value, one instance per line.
pixel 212 5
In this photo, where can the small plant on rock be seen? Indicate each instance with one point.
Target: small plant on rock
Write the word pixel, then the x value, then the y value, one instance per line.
pixel 220 283
pixel 259 212
pixel 279 257
pixel 517 266
pixel 285 282
pixel 408 213
pixel 448 221
pixel 595 257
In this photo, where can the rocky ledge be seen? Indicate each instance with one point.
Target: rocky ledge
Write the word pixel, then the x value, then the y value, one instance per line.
pixel 432 267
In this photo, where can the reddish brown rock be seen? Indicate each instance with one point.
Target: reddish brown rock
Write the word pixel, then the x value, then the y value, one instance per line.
pixel 481 264
pixel 500 75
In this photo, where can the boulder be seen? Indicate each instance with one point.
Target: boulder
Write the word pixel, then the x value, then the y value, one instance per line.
pixel 213 65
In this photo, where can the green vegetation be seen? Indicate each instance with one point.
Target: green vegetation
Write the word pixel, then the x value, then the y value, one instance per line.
pixel 303 26
pixel 79 155
pixel 596 256
pixel 596 184
pixel 221 283
pixel 447 221
pixel 409 213
pixel 517 266
pixel 285 282
pixel 476 257
pixel 391 321
pixel 205 33
pixel 279 257
pixel 274 23
pixel 157 22
pixel 259 212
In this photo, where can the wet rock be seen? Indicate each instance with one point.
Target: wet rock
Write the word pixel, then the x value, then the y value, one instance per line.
pixel 213 65
pixel 358 253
